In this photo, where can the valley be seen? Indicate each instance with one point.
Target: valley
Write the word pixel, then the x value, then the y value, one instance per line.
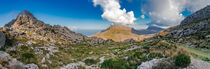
pixel 29 43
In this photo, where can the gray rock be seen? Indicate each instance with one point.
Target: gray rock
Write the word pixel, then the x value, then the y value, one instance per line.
pixel 199 15
pixel 168 63
pixel 148 64
pixel 2 39
pixel 13 63
pixel 31 66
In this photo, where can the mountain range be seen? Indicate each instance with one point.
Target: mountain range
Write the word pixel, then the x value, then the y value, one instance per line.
pixel 28 43
pixel 120 33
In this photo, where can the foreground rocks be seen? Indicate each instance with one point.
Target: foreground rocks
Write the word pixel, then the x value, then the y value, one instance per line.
pixel 2 39
pixel 168 63
pixel 6 61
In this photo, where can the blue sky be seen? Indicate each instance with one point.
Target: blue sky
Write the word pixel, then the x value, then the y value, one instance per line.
pixel 83 15
pixel 73 13
pixel 80 13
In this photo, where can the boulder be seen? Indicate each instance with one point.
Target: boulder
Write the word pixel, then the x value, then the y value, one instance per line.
pixel 6 61
pixel 31 66
pixel 2 39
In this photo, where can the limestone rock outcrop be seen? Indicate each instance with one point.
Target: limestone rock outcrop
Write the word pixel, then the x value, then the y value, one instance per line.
pixel 2 39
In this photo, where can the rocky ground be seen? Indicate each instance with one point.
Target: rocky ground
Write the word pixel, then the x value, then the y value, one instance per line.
pixel 12 63
pixel 2 39
pixel 195 64
pixel 31 43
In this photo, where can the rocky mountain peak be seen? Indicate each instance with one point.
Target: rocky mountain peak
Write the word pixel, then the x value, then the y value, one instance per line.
pixel 25 14
pixel 27 26
pixel 23 18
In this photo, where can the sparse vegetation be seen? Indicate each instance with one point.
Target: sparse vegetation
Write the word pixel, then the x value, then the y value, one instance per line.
pixel 28 58
pixel 113 64
pixel 90 61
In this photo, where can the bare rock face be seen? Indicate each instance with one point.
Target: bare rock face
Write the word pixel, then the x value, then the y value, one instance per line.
pixel 31 66
pixel 148 64
pixel 197 22
pixel 2 39
pixel 6 61
pixel 27 26
pixel 199 15
pixel 168 63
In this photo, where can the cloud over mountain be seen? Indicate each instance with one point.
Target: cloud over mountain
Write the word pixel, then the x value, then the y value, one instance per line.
pixel 169 12
pixel 113 13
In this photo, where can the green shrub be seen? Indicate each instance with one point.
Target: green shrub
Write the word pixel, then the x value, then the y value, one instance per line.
pixel 2 49
pixel 28 58
pixel 155 55
pixel 146 47
pixel 90 61
pixel 206 59
pixel 138 54
pixel 24 48
pixel 182 60
pixel 9 42
pixel 144 58
pixel 113 64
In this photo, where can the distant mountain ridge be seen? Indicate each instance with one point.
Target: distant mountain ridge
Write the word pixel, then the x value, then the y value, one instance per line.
pixel 119 33
pixel 149 30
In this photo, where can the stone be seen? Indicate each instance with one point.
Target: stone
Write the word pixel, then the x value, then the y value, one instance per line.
pixel 201 14
pixel 2 39
pixel 14 63
pixel 31 66
pixel 43 60
pixel 148 64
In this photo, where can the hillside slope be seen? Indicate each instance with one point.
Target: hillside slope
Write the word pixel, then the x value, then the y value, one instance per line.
pixel 26 26
pixel 119 33
pixel 194 30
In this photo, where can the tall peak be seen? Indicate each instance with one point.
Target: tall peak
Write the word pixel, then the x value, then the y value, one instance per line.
pixel 26 13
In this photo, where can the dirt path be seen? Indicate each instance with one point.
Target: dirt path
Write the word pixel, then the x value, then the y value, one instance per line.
pixel 196 51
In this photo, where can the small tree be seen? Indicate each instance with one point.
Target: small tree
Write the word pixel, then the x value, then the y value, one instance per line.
pixel 182 60
pixel 90 61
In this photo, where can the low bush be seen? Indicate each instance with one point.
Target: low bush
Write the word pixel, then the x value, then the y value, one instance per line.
pixel 146 47
pixel 28 58
pixel 113 64
pixel 90 61
pixel 155 55
pixel 182 60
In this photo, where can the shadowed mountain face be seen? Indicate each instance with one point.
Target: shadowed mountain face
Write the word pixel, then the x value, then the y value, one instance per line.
pixel 119 33
pixel 149 30
pixel 28 27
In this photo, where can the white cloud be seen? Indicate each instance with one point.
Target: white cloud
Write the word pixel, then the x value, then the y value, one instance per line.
pixel 142 16
pixel 168 12
pixel 73 28
pixel 194 5
pixel 113 13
